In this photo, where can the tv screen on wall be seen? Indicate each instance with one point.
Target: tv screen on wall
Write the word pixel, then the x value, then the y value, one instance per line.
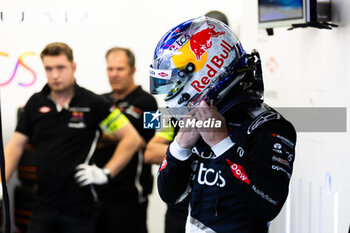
pixel 279 13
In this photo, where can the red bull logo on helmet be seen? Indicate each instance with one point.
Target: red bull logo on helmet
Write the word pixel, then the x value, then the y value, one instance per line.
pixel 213 66
pixel 185 55
pixel 200 42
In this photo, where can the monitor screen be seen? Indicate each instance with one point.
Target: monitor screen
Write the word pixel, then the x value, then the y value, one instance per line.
pixel 278 13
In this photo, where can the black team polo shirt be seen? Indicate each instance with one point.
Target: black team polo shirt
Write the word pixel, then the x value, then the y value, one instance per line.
pixel 63 138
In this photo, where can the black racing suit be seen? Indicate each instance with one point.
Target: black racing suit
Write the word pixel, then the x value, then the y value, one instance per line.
pixel 242 188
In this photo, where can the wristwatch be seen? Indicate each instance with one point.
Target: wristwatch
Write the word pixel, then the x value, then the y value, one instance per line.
pixel 107 172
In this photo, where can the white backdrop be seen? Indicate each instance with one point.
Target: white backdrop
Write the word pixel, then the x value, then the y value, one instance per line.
pixel 302 68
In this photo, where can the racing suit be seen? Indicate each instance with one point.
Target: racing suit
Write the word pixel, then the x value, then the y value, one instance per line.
pixel 240 186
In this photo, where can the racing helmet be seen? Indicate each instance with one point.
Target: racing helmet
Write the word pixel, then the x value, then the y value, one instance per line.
pixel 200 59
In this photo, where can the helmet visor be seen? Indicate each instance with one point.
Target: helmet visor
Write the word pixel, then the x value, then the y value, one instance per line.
pixel 160 81
pixel 166 81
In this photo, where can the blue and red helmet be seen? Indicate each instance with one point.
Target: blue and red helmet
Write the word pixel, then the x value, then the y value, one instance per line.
pixel 195 61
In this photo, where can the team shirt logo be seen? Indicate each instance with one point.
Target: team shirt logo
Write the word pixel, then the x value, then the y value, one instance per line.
pixel 44 109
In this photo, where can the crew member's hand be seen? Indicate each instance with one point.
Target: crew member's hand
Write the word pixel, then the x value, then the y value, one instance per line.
pixel 90 174
pixel 213 135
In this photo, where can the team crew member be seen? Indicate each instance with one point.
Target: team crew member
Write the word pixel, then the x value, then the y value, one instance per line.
pixel 124 200
pixel 64 121
pixel 176 214
pixel 234 154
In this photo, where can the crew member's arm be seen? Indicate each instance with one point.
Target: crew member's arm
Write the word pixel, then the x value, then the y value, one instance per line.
pixel 13 152
pixel 129 142
pixel 107 140
pixel 15 147
pixel 158 145
pixel 155 150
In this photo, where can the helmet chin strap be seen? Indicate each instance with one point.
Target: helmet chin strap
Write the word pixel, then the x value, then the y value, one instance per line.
pixel 221 95
pixel 238 99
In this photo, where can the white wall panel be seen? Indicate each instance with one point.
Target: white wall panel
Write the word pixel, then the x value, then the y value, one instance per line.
pixel 312 71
